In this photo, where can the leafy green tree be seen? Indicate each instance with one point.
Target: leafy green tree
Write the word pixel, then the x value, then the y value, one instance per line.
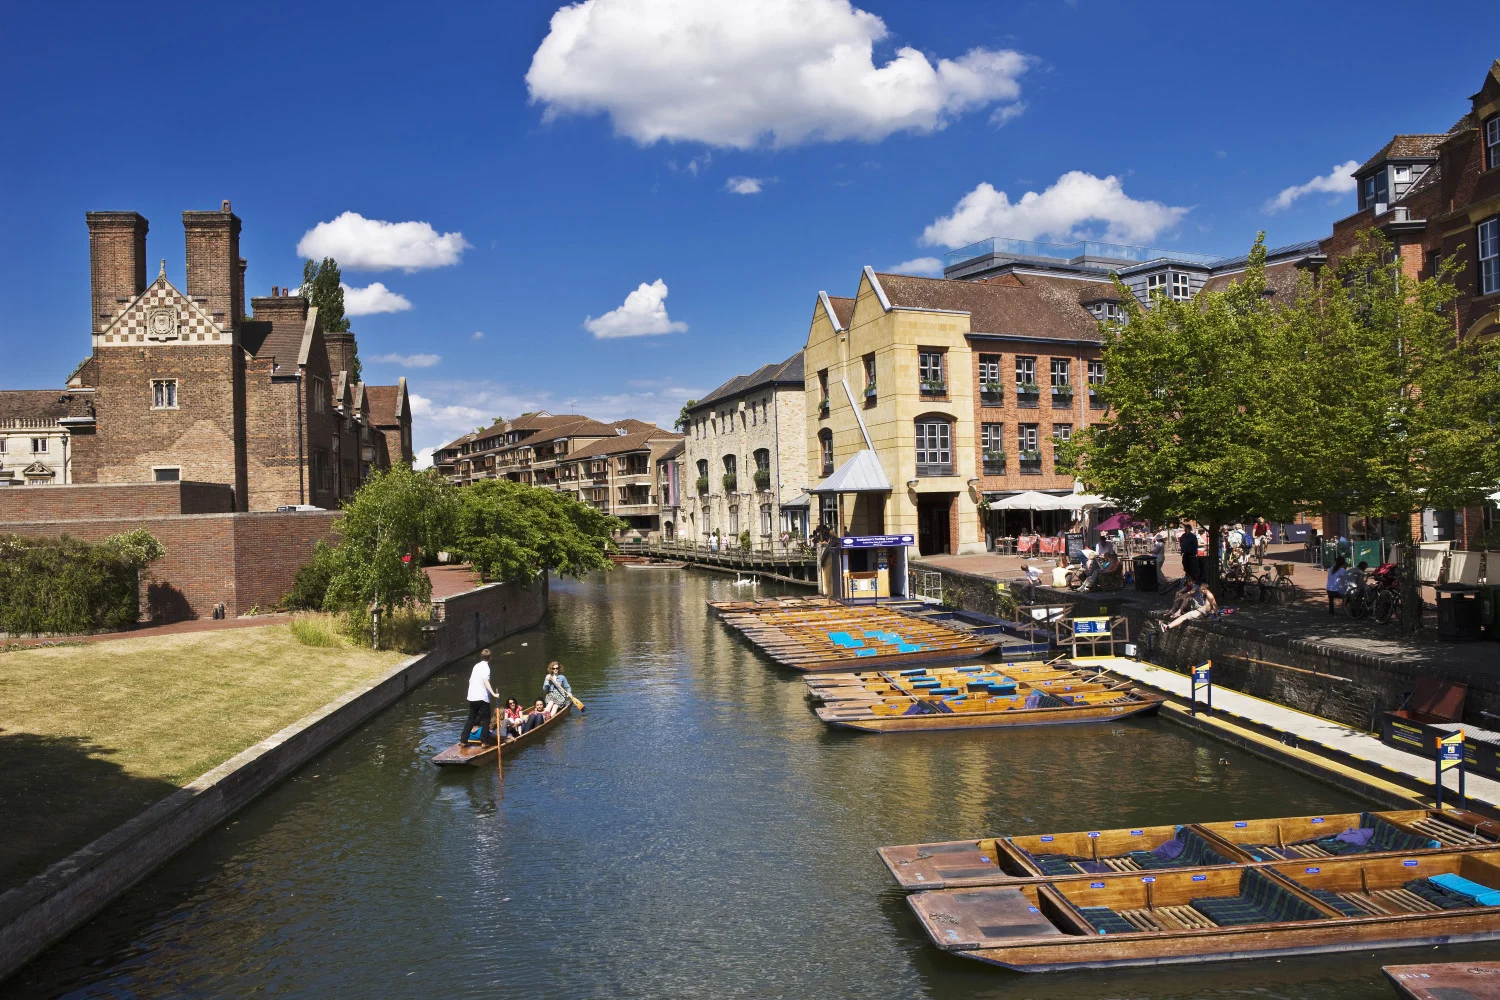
pixel 1203 409
pixel 395 517
pixel 323 286
pixel 510 531
pixel 683 420
pixel 1407 410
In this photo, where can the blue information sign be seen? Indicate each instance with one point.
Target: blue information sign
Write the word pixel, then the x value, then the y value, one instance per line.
pixel 1200 675
pixel 875 541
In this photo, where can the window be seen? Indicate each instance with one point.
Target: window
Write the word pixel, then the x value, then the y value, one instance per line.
pixel 825 448
pixel 1026 387
pixel 762 469
pixel 1108 312
pixel 765 519
pixel 1434 263
pixel 164 394
pixel 320 396
pixel 1060 434
pixel 702 476
pixel 934 448
pixel 171 475
pixel 1062 373
pixel 869 372
pixel 1492 142
pixel 322 470
pixel 1403 175
pixel 38 446
pixel 992 444
pixel 989 374
pixel 823 390
pixel 930 371
pixel 1096 381
pixel 1181 290
pixel 734 520
pixel 1373 190
pixel 1030 453
pixel 1156 283
pixel 1489 256
pixel 2 446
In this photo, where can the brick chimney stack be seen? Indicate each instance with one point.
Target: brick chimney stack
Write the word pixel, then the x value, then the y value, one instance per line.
pixel 340 347
pixel 239 285
pixel 287 315
pixel 213 258
pixel 117 263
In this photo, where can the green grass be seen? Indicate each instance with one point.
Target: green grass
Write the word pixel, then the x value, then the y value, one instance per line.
pixel 312 630
pixel 91 734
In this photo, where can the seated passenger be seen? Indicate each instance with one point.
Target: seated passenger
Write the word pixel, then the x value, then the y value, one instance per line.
pixel 535 717
pixel 512 718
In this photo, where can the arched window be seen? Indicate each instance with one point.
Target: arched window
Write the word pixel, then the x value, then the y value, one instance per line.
pixel 825 446
pixel 934 445
pixel 731 480
pixel 762 470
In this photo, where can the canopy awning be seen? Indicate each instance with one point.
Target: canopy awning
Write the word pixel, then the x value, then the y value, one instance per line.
pixel 800 500
pixel 861 474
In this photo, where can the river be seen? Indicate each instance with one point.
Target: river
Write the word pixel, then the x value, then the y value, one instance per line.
pixel 698 833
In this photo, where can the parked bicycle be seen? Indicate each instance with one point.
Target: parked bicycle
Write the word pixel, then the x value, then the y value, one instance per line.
pixel 1359 599
pixel 1386 582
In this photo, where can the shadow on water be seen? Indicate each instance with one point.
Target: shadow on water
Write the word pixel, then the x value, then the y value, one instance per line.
pixel 697 834
pixel 58 793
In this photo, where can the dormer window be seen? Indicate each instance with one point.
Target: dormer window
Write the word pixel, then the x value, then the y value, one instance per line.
pixel 1492 142
pixel 1373 190
pixel 1156 283
pixel 1180 288
pixel 1107 312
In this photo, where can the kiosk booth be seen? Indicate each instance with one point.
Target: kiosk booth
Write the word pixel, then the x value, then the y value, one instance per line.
pixel 866 567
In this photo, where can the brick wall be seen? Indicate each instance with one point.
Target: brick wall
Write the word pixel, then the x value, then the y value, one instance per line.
pixel 92 500
pixel 240 560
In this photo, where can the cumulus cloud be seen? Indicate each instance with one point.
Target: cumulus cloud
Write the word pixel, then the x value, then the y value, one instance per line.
pixel 1006 114
pixel 919 265
pixel 775 72
pixel 437 424
pixel 1339 180
pixel 743 185
pixel 373 298
pixel 643 313
pixel 361 244
pixel 408 360
pixel 477 335
pixel 1077 200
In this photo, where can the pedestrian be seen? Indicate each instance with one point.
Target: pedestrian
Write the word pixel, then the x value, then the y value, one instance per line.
pixel 480 693
pixel 555 688
pixel 1189 543
pixel 1159 549
pixel 1335 584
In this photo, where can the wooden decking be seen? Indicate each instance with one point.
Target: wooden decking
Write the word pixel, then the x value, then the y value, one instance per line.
pixel 811 634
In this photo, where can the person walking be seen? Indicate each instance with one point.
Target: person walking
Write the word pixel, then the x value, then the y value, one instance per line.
pixel 555 688
pixel 1189 544
pixel 480 693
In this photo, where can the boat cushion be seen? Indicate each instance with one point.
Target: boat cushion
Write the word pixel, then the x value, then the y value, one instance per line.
pixel 1482 895
pixel 1373 834
pixel 1437 895
pixel 1260 901
pixel 1057 864
pixel 1106 921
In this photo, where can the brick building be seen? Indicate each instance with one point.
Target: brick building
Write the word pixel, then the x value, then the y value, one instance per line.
pixel 1434 196
pixel 184 385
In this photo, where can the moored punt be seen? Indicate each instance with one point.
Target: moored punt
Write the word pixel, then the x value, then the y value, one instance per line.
pixel 811 636
pixel 1445 981
pixel 875 685
pixel 988 705
pixel 1220 914
pixel 475 754
pixel 1037 857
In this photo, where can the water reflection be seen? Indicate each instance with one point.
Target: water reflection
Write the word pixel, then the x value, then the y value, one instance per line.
pixel 698 833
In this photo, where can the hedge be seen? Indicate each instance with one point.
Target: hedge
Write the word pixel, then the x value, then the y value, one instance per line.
pixel 66 585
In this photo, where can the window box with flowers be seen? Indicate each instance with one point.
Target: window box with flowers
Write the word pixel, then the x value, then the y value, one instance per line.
pixel 823 408
pixel 870 391
pixel 1031 463
pixel 994 463
pixel 1027 394
pixel 934 387
pixel 1062 396
pixel 731 482
pixel 762 479
pixel 992 393
pixel 1096 401
pixel 702 486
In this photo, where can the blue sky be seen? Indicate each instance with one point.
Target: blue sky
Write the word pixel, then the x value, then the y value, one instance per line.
pixel 616 208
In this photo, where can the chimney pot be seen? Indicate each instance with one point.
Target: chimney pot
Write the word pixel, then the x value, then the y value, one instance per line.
pixel 224 206
pixel 273 291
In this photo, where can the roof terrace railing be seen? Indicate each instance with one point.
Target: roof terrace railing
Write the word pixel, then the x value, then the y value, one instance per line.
pixel 1083 253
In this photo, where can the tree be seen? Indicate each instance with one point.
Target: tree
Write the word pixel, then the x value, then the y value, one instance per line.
pixel 683 420
pixel 510 531
pixel 395 517
pixel 323 286
pixel 1407 408
pixel 1202 410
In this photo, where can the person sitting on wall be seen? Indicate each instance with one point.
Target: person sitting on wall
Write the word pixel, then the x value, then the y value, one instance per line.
pixel 1201 604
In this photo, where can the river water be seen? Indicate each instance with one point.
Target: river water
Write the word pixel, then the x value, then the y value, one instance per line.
pixel 698 833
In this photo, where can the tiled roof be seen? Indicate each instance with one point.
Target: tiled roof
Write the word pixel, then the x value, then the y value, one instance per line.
pixel 43 404
pixel 623 443
pixel 788 372
pixel 673 452
pixel 1403 146
pixel 843 309
pixel 1038 306
pixel 1281 280
pixel 384 400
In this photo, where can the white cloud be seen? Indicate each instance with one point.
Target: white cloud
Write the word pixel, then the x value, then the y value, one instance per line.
pixel 919 265
pixel 408 360
pixel 743 185
pixel 1339 180
pixel 477 335
pixel 775 72
pixel 361 244
pixel 423 458
pixel 1076 200
pixel 643 313
pixel 373 298
pixel 1006 114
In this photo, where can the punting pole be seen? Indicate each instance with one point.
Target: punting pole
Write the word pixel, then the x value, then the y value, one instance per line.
pixel 499 744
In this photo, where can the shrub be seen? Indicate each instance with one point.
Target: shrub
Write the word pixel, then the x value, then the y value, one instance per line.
pixel 315 631
pixel 66 585
pixel 400 629
pixel 310 585
pixel 745 540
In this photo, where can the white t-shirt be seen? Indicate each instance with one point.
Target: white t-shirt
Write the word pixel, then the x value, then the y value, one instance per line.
pixel 479 677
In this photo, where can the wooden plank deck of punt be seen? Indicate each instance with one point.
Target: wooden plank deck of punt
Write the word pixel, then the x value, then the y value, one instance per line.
pixel 1445 981
pixel 473 755
pixel 876 686
pixel 1129 703
pixel 985 923
pixel 1006 860
pixel 798 637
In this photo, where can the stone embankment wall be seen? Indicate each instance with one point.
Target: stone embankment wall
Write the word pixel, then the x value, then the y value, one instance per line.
pixel 70 892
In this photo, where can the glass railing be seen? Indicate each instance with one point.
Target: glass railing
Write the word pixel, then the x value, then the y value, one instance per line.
pixel 1084 253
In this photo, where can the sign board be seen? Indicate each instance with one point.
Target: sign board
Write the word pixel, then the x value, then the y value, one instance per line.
pixel 1200 673
pixel 1091 626
pixel 1451 750
pixel 875 541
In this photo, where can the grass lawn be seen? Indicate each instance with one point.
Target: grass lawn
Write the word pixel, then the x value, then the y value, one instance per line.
pixel 92 734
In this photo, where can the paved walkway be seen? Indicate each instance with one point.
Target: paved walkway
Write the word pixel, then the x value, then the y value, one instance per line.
pixel 450 580
pixel 1310 731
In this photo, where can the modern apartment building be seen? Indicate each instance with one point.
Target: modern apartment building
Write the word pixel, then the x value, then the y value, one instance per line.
pixel 745 458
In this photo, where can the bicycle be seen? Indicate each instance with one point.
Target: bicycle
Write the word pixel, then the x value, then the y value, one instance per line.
pixel 1387 605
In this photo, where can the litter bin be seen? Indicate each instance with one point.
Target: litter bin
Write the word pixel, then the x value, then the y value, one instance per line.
pixel 1458 612
pixel 1489 609
pixel 1145 573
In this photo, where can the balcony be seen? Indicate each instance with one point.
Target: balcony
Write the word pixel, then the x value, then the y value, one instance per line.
pixel 992 394
pixel 1031 463
pixel 1028 395
pixel 1062 397
pixel 934 387
pixel 930 469
pixel 994 464
pixel 762 480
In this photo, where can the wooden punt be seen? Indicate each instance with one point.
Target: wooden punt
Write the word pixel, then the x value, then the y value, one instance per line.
pixel 874 685
pixel 809 635
pixel 1445 981
pixel 473 755
pixel 1038 857
pixel 1222 914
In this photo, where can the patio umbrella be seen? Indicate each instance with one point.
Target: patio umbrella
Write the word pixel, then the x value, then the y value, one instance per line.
pixel 1117 522
pixel 1033 501
pixel 1081 501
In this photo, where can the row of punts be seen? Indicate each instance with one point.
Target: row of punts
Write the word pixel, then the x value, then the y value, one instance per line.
pixel 1208 891
pixel 817 634
pixel 976 696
